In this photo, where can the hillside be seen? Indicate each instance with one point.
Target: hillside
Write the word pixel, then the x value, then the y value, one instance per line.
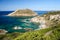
pixel 26 12
pixel 52 13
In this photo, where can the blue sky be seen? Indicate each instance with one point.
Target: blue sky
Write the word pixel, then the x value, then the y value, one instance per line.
pixel 46 5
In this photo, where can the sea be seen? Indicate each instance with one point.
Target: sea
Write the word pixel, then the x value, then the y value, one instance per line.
pixel 17 24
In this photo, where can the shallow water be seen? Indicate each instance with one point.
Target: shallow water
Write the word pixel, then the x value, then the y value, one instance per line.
pixel 8 23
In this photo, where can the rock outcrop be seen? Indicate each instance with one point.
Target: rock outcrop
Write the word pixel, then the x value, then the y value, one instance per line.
pixel 2 31
pixel 26 12
pixel 47 21
pixel 40 20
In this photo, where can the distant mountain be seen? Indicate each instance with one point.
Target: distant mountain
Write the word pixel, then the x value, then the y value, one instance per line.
pixel 26 12
pixel 41 12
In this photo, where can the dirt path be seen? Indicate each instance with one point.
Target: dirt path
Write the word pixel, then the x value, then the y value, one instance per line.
pixel 49 32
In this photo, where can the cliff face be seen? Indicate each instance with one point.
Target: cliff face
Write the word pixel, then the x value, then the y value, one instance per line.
pixel 26 12
pixel 40 20
pixel 47 20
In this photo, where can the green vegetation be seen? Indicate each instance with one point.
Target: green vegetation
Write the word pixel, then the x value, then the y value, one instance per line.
pixel 52 13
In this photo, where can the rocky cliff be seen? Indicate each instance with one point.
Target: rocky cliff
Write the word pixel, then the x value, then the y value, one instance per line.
pixel 26 12
pixel 47 20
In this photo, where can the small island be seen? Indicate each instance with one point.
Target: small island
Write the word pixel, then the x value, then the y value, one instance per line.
pixel 25 12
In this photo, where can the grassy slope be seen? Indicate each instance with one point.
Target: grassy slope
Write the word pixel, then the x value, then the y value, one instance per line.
pixel 39 34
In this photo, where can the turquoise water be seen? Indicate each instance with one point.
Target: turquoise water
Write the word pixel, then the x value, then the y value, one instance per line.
pixel 8 23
